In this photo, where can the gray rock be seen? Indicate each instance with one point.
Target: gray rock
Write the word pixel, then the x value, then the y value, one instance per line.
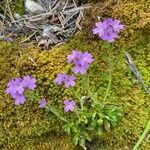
pixel 33 8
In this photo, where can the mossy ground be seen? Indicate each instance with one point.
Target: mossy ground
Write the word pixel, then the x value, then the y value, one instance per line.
pixel 28 127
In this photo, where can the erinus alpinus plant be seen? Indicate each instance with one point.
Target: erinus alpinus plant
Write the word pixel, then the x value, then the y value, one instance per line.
pixel 92 116
pixel 97 104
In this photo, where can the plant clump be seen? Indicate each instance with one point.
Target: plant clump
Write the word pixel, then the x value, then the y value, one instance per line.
pixel 29 124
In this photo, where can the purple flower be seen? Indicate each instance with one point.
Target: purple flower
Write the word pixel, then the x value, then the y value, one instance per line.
pixel 60 78
pixel 29 82
pixel 99 29
pixel 42 103
pixel 74 57
pixel 81 61
pixel 19 99
pixel 16 89
pixel 15 86
pixel 87 58
pixel 69 81
pixel 65 79
pixel 117 26
pixel 108 29
pixel 80 67
pixel 69 105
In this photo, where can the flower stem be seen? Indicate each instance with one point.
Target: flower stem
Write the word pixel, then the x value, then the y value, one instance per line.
pixel 142 136
pixel 108 88
pixel 52 110
pixel 110 75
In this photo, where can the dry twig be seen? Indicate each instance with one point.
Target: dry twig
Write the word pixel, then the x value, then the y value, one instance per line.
pixel 61 19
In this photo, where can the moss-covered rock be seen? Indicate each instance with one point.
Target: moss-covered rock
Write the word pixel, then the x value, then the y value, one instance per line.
pixel 28 127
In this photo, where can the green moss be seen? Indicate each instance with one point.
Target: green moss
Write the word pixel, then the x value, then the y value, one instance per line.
pixel 1 8
pixel 18 6
pixel 25 124
pixel 28 127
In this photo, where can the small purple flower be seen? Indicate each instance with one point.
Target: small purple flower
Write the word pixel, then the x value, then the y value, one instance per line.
pixel 80 67
pixel 16 89
pixel 60 78
pixel 20 99
pixel 65 79
pixel 74 57
pixel 108 29
pixel 14 86
pixel 69 81
pixel 99 29
pixel 87 58
pixel 42 103
pixel 117 26
pixel 81 61
pixel 29 82
pixel 69 105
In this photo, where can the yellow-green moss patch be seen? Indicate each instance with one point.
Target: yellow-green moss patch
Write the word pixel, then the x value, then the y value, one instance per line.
pixel 29 127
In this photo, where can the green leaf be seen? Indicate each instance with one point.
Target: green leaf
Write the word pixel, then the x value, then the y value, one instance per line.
pixel 94 115
pixel 81 102
pixel 74 129
pixel 77 94
pixel 32 96
pixel 86 84
pixel 99 131
pixel 94 97
pixel 84 119
pixel 76 139
pixel 87 136
pixel 67 129
pixel 82 143
pixel 100 121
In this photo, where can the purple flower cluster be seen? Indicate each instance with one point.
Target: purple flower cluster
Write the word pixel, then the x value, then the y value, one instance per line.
pixel 65 79
pixel 108 29
pixel 81 61
pixel 69 105
pixel 16 87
